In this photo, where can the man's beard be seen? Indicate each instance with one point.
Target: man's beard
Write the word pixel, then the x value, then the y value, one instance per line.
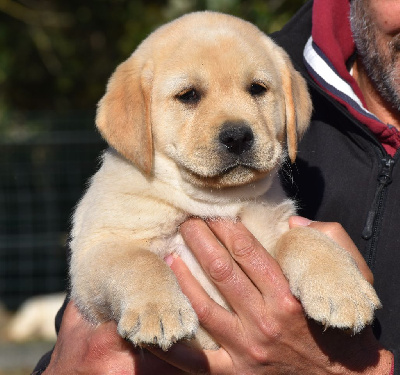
pixel 379 60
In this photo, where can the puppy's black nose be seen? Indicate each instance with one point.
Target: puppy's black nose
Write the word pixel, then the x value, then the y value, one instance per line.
pixel 236 137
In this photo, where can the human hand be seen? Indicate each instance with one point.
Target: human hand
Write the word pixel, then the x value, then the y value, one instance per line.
pixel 83 348
pixel 267 332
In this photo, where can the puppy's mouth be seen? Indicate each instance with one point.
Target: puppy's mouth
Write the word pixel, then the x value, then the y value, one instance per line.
pixel 238 164
pixel 233 174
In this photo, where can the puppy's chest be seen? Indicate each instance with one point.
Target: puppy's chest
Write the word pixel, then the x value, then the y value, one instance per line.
pixel 169 244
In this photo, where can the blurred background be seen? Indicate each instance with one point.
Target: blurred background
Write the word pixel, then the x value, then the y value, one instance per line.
pixel 55 59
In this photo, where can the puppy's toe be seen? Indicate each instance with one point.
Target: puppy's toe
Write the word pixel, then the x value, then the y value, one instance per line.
pixel 159 323
pixel 347 303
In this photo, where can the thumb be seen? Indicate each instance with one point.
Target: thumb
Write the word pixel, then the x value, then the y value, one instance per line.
pixel 299 221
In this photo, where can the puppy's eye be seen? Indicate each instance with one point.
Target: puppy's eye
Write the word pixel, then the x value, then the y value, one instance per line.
pixel 257 89
pixel 190 96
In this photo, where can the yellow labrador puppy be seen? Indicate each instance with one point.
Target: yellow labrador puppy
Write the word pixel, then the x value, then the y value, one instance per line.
pixel 198 120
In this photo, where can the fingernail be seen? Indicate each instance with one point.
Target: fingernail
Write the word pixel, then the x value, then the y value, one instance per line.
pixel 300 221
pixel 169 259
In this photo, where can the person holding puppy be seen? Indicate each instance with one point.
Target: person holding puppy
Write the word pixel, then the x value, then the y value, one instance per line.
pixel 346 172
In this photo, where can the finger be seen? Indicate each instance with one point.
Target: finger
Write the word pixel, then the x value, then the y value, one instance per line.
pixel 231 281
pixel 253 258
pixel 212 317
pixel 72 317
pixel 340 236
pixel 331 229
pixel 205 307
pixel 336 232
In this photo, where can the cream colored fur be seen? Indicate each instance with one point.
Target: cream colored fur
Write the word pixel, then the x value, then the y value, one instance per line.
pixel 166 163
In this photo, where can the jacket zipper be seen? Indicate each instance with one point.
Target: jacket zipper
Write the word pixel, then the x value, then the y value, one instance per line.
pixel 372 222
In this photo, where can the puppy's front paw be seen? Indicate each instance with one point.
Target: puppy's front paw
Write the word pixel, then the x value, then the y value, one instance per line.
pixel 326 279
pixel 162 322
pixel 338 297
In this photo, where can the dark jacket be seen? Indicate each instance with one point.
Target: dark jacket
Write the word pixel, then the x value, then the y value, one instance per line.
pixel 343 174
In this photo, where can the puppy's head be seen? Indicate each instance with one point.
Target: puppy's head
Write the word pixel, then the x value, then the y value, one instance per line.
pixel 213 94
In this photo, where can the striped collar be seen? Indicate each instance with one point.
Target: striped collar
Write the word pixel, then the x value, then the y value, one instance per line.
pixel 326 76
pixel 325 56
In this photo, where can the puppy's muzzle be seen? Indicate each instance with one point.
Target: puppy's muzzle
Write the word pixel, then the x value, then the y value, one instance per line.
pixel 236 137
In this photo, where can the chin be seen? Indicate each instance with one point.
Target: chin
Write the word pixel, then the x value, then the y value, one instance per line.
pixel 236 177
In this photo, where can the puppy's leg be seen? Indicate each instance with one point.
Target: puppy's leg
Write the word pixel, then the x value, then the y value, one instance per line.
pixel 135 288
pixel 326 280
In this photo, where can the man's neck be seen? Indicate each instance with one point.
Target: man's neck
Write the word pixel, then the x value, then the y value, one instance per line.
pixel 375 103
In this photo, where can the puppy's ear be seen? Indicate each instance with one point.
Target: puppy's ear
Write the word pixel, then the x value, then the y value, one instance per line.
pixel 298 107
pixel 123 114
